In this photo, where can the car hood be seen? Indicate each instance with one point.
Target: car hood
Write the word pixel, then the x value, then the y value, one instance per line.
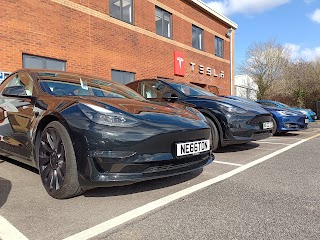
pixel 304 109
pixel 271 109
pixel 140 109
pixel 236 103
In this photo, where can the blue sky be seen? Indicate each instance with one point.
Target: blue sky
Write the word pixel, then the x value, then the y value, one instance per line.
pixel 294 23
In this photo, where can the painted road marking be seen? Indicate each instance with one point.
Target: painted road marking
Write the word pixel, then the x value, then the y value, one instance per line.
pixel 9 232
pixel 288 137
pixel 128 216
pixel 228 163
pixel 275 143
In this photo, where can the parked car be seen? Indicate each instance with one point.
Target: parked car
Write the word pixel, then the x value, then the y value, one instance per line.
pixel 230 122
pixel 83 132
pixel 312 116
pixel 284 120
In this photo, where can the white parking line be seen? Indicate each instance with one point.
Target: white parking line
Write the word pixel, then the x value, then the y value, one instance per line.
pixel 105 226
pixel 228 163
pixel 275 143
pixel 287 137
pixel 9 232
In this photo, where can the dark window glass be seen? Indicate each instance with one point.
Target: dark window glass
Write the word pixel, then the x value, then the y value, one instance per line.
pixel 31 61
pixel 218 43
pixel 122 76
pixel 190 89
pixel 122 10
pixel 85 86
pixel 154 89
pixel 197 37
pixel 163 22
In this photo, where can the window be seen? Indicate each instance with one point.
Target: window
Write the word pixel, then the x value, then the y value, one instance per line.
pixel 122 76
pixel 122 10
pixel 154 89
pixel 31 61
pixel 197 37
pixel 163 22
pixel 218 45
pixel 21 79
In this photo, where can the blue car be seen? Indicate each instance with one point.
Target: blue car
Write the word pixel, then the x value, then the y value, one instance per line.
pixel 312 116
pixel 284 119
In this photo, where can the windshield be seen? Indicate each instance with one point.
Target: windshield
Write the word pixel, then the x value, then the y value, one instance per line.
pixel 87 87
pixel 284 105
pixel 190 90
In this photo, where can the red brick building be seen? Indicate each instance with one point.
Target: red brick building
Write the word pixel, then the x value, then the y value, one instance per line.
pixel 122 40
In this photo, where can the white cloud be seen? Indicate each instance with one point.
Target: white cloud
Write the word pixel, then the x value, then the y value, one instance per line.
pixel 307 54
pixel 229 7
pixel 315 16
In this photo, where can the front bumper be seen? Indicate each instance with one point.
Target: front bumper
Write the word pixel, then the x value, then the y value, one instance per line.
pixel 293 123
pixel 246 128
pixel 113 156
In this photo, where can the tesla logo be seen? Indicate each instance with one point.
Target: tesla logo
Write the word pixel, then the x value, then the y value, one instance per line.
pixel 179 68
pixel 180 60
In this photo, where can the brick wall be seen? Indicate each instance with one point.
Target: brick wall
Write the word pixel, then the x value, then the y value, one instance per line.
pixel 82 33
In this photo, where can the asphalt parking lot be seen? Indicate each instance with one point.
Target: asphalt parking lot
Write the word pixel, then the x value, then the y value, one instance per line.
pixel 27 211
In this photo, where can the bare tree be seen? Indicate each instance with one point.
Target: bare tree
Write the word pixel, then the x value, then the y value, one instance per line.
pixel 265 62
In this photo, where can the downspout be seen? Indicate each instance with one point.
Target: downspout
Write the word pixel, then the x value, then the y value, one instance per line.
pixel 231 62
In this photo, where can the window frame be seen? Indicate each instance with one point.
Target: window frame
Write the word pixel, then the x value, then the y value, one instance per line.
pixel 121 18
pixel 199 32
pixel 163 14
pixel 218 47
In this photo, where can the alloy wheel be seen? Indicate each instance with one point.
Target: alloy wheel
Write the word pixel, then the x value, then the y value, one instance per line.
pixel 52 160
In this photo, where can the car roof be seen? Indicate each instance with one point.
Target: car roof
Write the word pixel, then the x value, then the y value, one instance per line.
pixel 56 74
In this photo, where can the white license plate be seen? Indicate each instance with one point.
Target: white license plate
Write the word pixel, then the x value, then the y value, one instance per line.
pixel 195 147
pixel 306 120
pixel 267 125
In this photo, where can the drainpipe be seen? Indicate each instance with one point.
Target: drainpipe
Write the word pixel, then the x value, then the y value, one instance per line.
pixel 231 62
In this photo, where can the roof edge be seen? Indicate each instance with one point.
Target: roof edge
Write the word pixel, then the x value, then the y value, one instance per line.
pixel 223 18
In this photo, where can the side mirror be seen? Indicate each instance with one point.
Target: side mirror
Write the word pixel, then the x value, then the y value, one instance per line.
pixel 170 97
pixel 14 91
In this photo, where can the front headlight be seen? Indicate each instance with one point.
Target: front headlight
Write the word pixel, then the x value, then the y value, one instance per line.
pixel 287 113
pixel 196 112
pixel 231 109
pixel 106 116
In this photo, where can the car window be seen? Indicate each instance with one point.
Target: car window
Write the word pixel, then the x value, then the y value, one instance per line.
pixel 21 79
pixel 190 90
pixel 87 87
pixel 269 104
pixel 154 89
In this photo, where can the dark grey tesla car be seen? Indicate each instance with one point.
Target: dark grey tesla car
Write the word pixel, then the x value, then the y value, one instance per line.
pixel 82 132
pixel 231 122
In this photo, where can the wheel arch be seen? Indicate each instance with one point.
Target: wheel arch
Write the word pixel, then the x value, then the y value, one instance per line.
pixel 40 127
pixel 215 120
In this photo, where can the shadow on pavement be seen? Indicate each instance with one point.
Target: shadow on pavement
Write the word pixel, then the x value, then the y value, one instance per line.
pixel 237 147
pixel 142 186
pixel 5 188
pixel 19 164
pixel 287 134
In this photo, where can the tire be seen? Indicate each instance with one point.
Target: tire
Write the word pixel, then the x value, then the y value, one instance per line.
pixel 275 126
pixel 215 138
pixel 57 162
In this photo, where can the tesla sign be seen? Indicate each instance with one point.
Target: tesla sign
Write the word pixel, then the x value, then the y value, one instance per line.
pixel 207 70
pixel 179 61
